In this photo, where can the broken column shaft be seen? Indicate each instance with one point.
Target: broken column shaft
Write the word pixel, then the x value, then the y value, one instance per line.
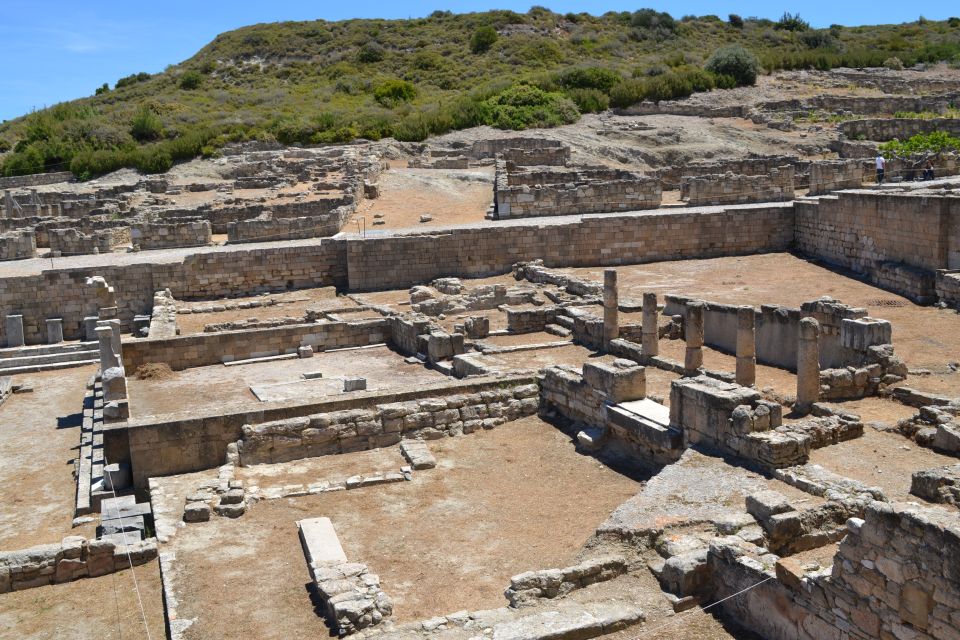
pixel 693 332
pixel 611 320
pixel 650 330
pixel 808 364
pixel 746 347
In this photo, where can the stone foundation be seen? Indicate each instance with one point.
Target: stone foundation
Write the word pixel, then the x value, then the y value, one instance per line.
pixel 777 186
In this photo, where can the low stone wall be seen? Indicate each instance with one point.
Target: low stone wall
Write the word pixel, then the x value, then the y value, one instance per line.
pixel 948 287
pixel 885 129
pixel 72 242
pixel 777 186
pixel 17 245
pixel 527 589
pixel 444 162
pixel 888 580
pixel 35 179
pixel 266 227
pixel 544 156
pixel 163 318
pixel 749 166
pixel 833 175
pixel 384 425
pixel 522 194
pixel 483 149
pixel 203 349
pixel 194 441
pixel 73 558
pixel 152 235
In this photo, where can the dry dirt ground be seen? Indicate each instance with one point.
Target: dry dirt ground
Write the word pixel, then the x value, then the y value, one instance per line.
pixel 106 608
pixel 448 196
pixel 500 502
pixel 292 303
pixel 215 386
pixel 925 337
pixel 39 441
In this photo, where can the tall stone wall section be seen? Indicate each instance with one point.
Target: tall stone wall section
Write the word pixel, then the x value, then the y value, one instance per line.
pixel 483 149
pixel 897 240
pixel 73 242
pixel 404 259
pixel 269 227
pixel 543 156
pixel 730 188
pixel 35 179
pixel 834 175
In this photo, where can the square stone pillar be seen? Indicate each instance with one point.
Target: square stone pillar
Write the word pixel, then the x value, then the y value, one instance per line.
pixel 650 329
pixel 746 347
pixel 611 317
pixel 114 384
pixel 14 327
pixel 90 328
pixel 8 203
pixel 808 365
pixel 54 330
pixel 115 339
pixel 693 333
pixel 108 359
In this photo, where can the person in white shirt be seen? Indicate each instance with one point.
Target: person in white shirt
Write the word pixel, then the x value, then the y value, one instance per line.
pixel 881 166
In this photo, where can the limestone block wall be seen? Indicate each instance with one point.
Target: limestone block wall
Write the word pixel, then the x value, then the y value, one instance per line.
pixel 888 580
pixel 863 230
pixel 72 242
pixel 731 188
pixel 385 424
pixel 833 175
pixel 73 558
pixel 17 245
pixel 482 149
pixel 35 179
pixel 267 227
pixel 150 235
pixel 455 162
pixel 403 259
pixel 750 166
pixel 885 129
pixel 543 156
pixel 948 287
pixel 198 350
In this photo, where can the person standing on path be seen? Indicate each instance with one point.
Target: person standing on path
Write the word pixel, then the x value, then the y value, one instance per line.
pixel 881 166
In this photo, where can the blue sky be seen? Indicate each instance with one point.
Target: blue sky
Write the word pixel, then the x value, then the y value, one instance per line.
pixel 55 50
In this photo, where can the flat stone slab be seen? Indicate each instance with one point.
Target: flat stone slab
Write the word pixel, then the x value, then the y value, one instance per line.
pixel 123 507
pixel 320 542
pixel 648 409
pixel 569 623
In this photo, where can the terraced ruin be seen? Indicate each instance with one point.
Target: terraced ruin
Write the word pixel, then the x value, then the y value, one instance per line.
pixel 680 371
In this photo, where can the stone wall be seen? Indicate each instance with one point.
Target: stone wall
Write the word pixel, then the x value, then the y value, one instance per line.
pixel 777 186
pixel 882 130
pixel 17 245
pixel 194 441
pixel 406 258
pixel 72 242
pixel 522 194
pixel 888 580
pixel 833 175
pixel 749 166
pixel 153 235
pixel 543 156
pixel 948 287
pixel 203 349
pixel 384 425
pixel 73 558
pixel 35 179
pixel 873 233
pixel 482 149
pixel 267 227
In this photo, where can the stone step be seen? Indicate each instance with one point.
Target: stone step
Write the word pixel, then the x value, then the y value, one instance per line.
pixel 49 358
pixel 46 367
pixel 47 349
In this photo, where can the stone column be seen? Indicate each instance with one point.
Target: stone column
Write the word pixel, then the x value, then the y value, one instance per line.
pixel 35 201
pixel 693 332
pixel 54 330
pixel 808 365
pixel 650 328
pixel 746 347
pixel 90 328
pixel 115 337
pixel 8 202
pixel 14 326
pixel 108 359
pixel 611 318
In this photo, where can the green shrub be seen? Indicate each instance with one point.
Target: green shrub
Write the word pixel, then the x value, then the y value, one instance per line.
pixel 589 78
pixel 21 163
pixel 152 159
pixel 792 22
pixel 482 39
pixel 392 92
pixel 736 62
pixel 953 22
pixel 102 89
pixel 589 100
pixel 191 80
pixel 893 63
pixel 936 142
pixel 370 52
pixel 146 125
pixel 735 21
pixel 523 106
pixel 131 79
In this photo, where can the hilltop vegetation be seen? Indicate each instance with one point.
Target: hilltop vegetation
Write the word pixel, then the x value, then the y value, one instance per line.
pixel 317 82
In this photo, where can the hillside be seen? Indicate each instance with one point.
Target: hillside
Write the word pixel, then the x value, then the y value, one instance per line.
pixel 317 82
